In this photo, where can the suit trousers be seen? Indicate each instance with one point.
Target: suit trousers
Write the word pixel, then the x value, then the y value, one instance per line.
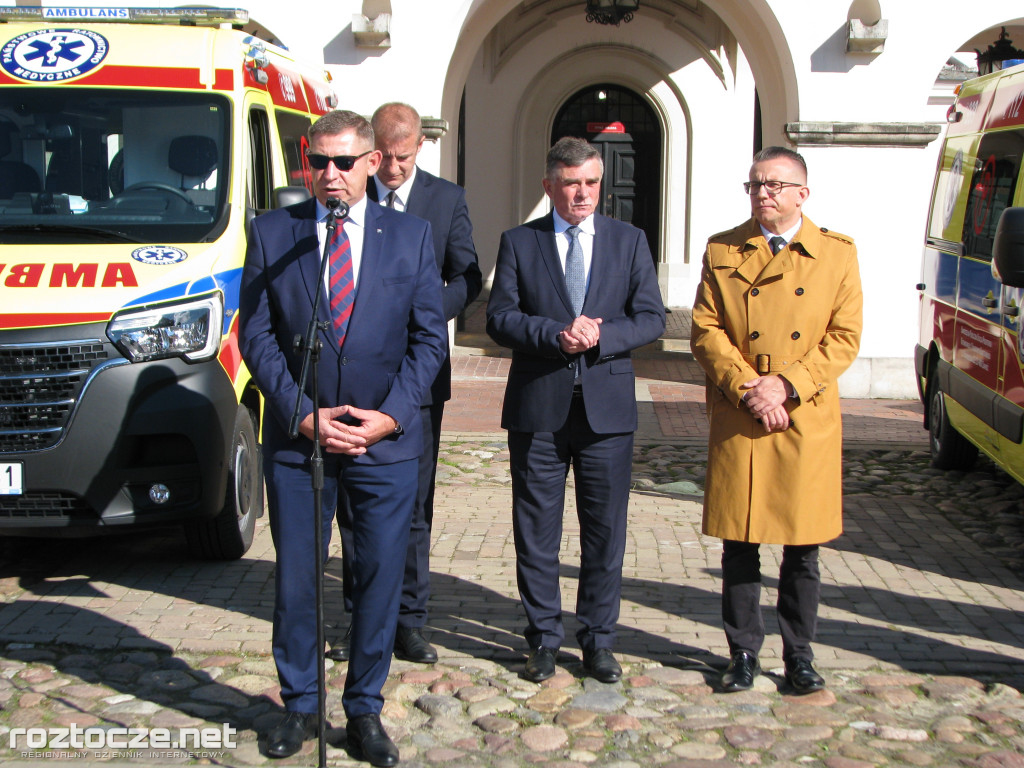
pixel 798 595
pixel 381 499
pixel 602 465
pixel 412 612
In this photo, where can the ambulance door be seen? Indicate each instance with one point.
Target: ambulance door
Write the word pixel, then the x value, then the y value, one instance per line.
pixel 1009 414
pixel 976 380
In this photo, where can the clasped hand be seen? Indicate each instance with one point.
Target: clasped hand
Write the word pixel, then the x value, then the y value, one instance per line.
pixel 765 398
pixel 337 436
pixel 581 334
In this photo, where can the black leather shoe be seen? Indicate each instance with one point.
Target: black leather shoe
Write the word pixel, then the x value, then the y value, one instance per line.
pixel 740 674
pixel 339 651
pixel 366 738
pixel 541 664
pixel 601 665
pixel 802 677
pixel 286 738
pixel 410 645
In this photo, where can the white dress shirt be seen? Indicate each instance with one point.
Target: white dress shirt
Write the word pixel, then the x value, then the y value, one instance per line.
pixel 586 238
pixel 401 194
pixel 788 235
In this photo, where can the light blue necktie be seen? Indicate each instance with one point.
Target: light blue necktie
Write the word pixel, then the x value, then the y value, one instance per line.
pixel 575 277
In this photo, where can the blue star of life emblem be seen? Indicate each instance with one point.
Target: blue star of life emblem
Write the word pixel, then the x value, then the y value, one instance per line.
pixel 53 55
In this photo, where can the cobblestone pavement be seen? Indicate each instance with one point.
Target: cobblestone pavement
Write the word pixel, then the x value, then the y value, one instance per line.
pixel 921 632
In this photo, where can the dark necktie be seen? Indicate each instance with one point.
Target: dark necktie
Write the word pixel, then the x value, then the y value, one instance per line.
pixel 575 278
pixel 391 199
pixel 341 289
pixel 777 244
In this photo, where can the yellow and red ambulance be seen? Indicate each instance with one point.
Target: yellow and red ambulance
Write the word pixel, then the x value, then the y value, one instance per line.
pixel 135 145
pixel 970 358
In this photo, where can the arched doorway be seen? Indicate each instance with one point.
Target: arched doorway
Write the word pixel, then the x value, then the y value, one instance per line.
pixel 626 130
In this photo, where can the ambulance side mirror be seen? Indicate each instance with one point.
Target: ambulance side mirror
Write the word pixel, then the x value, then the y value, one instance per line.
pixel 1008 248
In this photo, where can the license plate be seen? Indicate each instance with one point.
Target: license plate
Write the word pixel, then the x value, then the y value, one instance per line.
pixel 11 480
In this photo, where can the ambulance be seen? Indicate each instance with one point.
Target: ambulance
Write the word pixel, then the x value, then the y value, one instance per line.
pixel 970 356
pixel 135 145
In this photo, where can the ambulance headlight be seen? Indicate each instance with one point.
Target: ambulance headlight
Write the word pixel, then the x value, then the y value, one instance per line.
pixel 190 330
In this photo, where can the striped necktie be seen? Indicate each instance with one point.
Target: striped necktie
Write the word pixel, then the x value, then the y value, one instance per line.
pixel 341 289
pixel 777 244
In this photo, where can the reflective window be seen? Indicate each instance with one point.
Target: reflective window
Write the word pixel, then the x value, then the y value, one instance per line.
pixel 992 187
pixel 79 164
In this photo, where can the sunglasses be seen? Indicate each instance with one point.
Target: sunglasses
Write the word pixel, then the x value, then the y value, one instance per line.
pixel 341 162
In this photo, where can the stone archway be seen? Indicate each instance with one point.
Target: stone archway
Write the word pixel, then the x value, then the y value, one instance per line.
pixel 517 63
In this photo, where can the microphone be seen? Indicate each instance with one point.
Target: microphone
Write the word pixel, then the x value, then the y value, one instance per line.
pixel 336 207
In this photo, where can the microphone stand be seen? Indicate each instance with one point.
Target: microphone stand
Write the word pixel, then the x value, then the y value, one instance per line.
pixel 310 349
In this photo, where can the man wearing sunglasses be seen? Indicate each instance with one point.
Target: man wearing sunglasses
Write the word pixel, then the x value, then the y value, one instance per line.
pixel 400 184
pixel 776 320
pixel 383 337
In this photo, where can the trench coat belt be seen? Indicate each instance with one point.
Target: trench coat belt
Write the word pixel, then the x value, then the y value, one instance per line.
pixel 764 364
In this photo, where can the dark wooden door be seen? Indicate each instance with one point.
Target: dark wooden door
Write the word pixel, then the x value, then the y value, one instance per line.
pixel 626 130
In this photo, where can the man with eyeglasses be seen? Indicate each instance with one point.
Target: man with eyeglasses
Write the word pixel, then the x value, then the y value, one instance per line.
pixel 776 320
pixel 400 184
pixel 383 339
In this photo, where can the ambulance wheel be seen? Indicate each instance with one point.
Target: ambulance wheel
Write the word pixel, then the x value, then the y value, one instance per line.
pixel 950 449
pixel 228 536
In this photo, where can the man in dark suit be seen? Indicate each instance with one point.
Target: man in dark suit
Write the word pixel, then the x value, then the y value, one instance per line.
pixel 380 354
pixel 400 184
pixel 573 293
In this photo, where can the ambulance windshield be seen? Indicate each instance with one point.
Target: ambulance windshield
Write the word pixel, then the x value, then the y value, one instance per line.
pixel 83 165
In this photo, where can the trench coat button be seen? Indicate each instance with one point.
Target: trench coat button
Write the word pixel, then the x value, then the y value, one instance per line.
pixel 754 335
pixel 754 291
pixel 824 230
pixel 799 291
pixel 795 335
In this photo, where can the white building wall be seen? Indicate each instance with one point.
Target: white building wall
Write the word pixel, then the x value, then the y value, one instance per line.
pixel 803 73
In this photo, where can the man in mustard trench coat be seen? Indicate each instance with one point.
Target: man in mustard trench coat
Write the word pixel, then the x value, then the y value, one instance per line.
pixel 776 320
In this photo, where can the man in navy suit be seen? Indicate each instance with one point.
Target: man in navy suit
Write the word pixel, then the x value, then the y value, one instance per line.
pixel 400 184
pixel 374 369
pixel 573 293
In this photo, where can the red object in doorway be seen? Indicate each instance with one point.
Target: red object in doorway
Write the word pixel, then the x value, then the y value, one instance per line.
pixel 615 127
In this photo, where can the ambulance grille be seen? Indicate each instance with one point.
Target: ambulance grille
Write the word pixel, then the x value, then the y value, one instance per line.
pixel 39 386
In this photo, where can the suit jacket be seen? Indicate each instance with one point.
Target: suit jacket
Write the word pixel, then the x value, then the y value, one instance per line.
pixel 529 306
pixel 443 204
pixel 396 336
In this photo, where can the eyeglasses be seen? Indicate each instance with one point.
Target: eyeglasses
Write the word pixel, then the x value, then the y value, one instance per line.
pixel 773 186
pixel 341 162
